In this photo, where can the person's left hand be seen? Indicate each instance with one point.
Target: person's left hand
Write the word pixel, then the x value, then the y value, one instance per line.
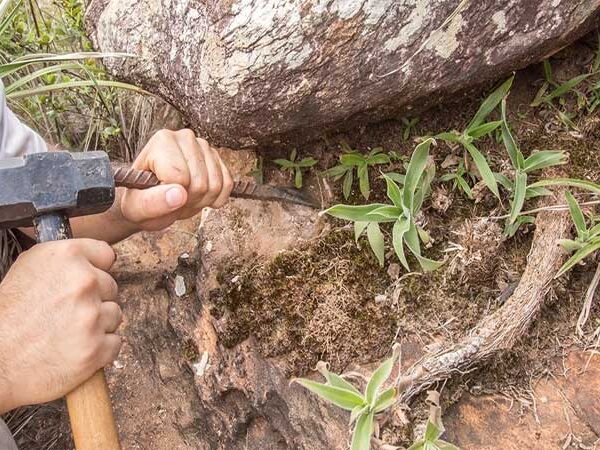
pixel 192 176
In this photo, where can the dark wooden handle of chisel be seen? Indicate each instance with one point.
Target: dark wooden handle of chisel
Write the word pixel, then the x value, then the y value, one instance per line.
pixel 90 410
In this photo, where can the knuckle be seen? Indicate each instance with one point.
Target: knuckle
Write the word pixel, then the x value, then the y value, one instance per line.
pixel 163 134
pixel 87 282
pixel 186 133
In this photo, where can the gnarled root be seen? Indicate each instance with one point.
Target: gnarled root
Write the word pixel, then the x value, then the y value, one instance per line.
pixel 500 330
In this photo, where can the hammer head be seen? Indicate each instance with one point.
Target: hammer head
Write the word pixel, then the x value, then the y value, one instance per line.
pixel 76 184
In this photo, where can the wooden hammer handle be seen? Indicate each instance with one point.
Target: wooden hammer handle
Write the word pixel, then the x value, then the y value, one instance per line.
pixel 91 415
pixel 90 411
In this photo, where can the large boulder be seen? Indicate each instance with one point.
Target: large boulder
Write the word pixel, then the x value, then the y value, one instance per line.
pixel 249 72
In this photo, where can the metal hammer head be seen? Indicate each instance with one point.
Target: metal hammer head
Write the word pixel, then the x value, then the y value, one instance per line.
pixel 76 184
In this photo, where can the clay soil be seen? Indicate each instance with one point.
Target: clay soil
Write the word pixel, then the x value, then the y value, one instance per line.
pixel 320 296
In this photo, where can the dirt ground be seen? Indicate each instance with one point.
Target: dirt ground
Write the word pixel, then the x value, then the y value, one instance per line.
pixel 223 309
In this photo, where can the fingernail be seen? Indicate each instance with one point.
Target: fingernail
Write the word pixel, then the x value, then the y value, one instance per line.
pixel 174 198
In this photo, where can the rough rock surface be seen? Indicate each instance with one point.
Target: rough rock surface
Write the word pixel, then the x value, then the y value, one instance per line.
pixel 248 72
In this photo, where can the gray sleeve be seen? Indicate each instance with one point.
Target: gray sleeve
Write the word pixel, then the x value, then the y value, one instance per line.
pixel 16 138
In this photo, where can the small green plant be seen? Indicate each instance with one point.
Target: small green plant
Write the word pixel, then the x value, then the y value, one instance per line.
pixel 434 429
pixel 409 125
pixel 559 90
pixel 587 240
pixel 476 129
pixel 460 179
pixel 296 167
pixel 405 205
pixel 363 407
pixel 517 186
pixel 352 161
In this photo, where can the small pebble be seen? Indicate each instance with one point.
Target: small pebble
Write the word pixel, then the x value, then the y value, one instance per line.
pixel 381 298
pixel 200 367
pixel 393 271
pixel 118 364
pixel 179 286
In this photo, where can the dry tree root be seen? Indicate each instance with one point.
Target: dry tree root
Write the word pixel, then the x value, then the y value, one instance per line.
pixel 500 330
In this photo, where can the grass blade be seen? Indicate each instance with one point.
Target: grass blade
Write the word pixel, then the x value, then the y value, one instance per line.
pixel 565 87
pixel 416 166
pixel 354 213
pixel 359 229
pixel 484 169
pixel 342 398
pixel 519 196
pixel 347 183
pixel 363 180
pixel 515 155
pixel 336 380
pixel 576 215
pixel 401 226
pixel 19 63
pixel 22 81
pixel 543 159
pixel 381 374
pixel 573 182
pixel 385 400
pixel 74 84
pixel 361 438
pixel 376 241
pixel 489 104
pixel 579 255
pixel 393 191
pixel 484 129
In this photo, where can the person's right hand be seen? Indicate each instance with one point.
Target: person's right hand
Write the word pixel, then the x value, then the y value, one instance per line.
pixel 57 320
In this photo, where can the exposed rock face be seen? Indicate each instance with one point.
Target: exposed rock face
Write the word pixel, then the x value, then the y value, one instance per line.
pixel 248 72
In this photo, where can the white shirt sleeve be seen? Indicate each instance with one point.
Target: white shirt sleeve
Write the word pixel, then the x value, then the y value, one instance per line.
pixel 16 138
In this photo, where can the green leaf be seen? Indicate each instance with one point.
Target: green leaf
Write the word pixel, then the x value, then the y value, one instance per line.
pixel 381 374
pixel 74 84
pixel 397 177
pixel 573 182
pixel 393 191
pixel 342 398
pixel 378 159
pixel 352 159
pixel 385 400
pixel 576 215
pixel 336 380
pixel 515 155
pixel 448 177
pixel 579 255
pixel 284 163
pixel 298 178
pixel 24 61
pixel 401 226
pixel 359 228
pixel 570 245
pixel 511 229
pixel 484 129
pixel 337 171
pixel 536 192
pixel 376 241
pixel 390 212
pixel 361 438
pixel 6 20
pixel 363 181
pixel 307 162
pixel 432 432
pixel 417 164
pixel 448 136
pixel 543 159
pixel 22 81
pixel 353 213
pixel 423 187
pixel 484 169
pixel 565 87
pixel 518 196
pixel 412 241
pixel 504 181
pixel 547 71
pixel 465 187
pixel 347 184
pixel 489 104
pixel 357 412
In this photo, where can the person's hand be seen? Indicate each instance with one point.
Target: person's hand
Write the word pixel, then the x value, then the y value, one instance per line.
pixel 57 320
pixel 193 176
